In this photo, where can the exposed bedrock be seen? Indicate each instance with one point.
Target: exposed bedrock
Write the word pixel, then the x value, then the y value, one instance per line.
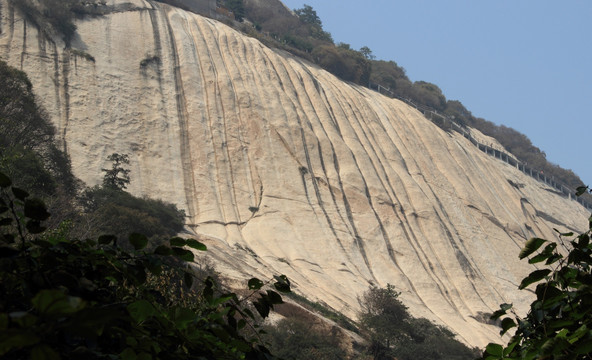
pixel 283 168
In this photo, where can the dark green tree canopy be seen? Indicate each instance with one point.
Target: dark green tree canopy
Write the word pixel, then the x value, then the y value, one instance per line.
pixel 66 298
pixel 309 16
pixel 29 152
pixel 365 50
pixel 237 7
pixel 117 178
pixel 22 121
pixel 395 334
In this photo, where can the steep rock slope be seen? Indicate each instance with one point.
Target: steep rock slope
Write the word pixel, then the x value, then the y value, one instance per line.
pixel 283 168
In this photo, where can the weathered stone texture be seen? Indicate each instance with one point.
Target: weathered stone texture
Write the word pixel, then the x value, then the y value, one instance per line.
pixel 283 168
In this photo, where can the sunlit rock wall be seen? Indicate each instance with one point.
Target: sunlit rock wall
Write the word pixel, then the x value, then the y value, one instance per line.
pixel 283 168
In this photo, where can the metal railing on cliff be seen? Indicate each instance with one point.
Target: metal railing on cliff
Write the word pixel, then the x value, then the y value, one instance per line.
pixel 445 121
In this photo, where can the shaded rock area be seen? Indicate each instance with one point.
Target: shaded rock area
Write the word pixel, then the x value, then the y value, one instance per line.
pixel 283 168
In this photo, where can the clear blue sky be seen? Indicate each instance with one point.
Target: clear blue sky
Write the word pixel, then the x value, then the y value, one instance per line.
pixel 525 64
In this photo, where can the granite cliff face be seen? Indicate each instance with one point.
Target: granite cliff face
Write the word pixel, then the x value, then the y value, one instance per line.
pixel 283 168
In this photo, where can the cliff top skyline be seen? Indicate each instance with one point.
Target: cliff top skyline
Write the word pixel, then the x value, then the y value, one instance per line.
pixel 523 65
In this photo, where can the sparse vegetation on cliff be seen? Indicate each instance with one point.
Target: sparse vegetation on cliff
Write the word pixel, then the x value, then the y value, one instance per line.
pixel 300 35
pixel 28 150
pixel 67 298
pixel 430 89
pixel 64 296
pixel 394 334
pixel 53 17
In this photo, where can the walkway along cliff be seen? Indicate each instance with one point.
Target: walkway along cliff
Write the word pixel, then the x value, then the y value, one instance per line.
pixel 445 121
pixel 282 167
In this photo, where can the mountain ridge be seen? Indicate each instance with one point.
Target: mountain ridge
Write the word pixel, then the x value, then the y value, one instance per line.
pixel 282 166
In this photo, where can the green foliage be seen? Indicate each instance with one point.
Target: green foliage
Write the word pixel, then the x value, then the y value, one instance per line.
pixel 69 298
pixel 110 209
pixel 237 7
pixel 367 53
pixel 117 178
pixel 24 164
pixel 559 322
pixel 350 65
pixel 394 333
pixel 53 17
pixel 28 151
pixel 428 94
pixel 325 311
pixel 305 339
pixel 390 75
pixel 120 213
pixel 309 16
pixel 383 315
pixel 24 123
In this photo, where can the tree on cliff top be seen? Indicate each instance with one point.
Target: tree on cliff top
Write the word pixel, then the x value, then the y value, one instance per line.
pixel 309 17
pixel 237 7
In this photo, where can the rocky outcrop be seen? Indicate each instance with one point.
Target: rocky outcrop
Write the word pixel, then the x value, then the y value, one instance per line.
pixel 283 168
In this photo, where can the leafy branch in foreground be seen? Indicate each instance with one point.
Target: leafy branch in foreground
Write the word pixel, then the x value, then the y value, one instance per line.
pixel 66 298
pixel 559 322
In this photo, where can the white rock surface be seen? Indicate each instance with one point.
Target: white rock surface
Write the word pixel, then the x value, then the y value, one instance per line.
pixel 347 187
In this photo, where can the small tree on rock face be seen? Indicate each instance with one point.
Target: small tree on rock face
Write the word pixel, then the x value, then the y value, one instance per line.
pixel 117 178
pixel 383 315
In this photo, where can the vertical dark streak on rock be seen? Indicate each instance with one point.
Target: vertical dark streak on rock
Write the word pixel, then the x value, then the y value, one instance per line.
pixel 185 146
pixel 251 165
pixel 463 261
pixel 310 168
pixel 57 89
pixel 348 210
pixel 353 232
pixel 157 47
pixel 285 143
pixel 320 91
pixel 409 233
pixel 322 161
pixel 10 24
pixel 466 264
pixel 381 227
pixel 218 101
pixel 41 43
pixel 246 153
pixel 358 238
pixel 206 118
pixel 24 49
pixel 66 89
pixel 303 178
pixel 0 18
pixel 232 89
